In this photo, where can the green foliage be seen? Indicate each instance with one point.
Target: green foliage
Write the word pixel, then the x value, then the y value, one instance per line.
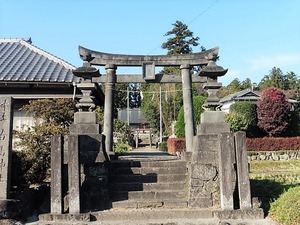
pixel 180 125
pixel 243 117
pixel 267 190
pixel 269 180
pixel 120 97
pixel 57 112
pixel 163 146
pixel 273 112
pixel 294 127
pixel 100 115
pixel 279 80
pixel 52 116
pixel 237 121
pixel 150 104
pixel 121 147
pixel 246 108
pixel 286 208
pixel 181 39
pixel 282 171
pixel 120 129
pixel 171 101
pixel 198 102
pixel 235 86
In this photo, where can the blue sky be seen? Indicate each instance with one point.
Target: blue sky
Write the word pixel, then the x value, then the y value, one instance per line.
pixel 253 35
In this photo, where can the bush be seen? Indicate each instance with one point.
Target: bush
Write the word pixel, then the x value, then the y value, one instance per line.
pixel 52 116
pixel 163 146
pixel 273 112
pixel 121 130
pixel 198 102
pixel 176 145
pixel 273 144
pixel 286 208
pixel 243 117
pixel 121 147
pixel 237 121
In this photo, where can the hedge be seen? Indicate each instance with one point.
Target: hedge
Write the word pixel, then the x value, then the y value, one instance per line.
pixel 273 144
pixel 253 144
pixel 176 145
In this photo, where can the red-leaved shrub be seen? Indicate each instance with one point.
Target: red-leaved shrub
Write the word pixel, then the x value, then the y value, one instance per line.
pixel 176 145
pixel 273 144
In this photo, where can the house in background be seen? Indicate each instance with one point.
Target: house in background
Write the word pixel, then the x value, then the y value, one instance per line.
pixel 143 134
pixel 28 72
pixel 134 118
pixel 244 95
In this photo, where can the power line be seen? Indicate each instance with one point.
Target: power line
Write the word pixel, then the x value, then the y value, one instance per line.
pixel 195 18
pixel 204 11
pixel 149 92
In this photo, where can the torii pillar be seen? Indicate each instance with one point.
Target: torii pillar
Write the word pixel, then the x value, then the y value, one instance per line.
pixel 109 107
pixel 188 106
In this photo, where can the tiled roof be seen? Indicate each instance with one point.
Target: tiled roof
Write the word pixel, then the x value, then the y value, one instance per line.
pixel 135 115
pixel 20 61
pixel 246 94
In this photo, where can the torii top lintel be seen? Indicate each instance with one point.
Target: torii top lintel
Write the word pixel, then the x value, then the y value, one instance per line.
pixel 193 59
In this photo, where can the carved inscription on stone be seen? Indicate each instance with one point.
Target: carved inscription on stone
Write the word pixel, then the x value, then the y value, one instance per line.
pixel 5 145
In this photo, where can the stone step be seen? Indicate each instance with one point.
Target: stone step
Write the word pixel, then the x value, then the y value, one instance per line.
pixel 193 222
pixel 147 170
pixel 160 216
pixel 152 163
pixel 173 214
pixel 148 195
pixel 136 186
pixel 130 204
pixel 170 222
pixel 148 178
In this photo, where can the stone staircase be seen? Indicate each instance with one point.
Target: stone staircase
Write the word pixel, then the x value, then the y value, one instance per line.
pixel 151 189
pixel 148 182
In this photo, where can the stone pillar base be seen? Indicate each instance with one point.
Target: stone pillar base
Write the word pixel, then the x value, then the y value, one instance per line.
pixel 9 208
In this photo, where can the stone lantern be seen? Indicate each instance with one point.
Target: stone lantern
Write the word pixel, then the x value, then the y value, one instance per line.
pixel 212 71
pixel 86 73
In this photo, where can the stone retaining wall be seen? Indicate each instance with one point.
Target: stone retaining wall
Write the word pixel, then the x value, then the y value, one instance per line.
pixel 274 155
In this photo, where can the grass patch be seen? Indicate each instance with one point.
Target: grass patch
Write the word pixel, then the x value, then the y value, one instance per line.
pixel 286 208
pixel 271 166
pixel 287 172
pixel 270 179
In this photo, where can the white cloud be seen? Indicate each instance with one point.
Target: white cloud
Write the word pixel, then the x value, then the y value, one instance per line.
pixel 278 60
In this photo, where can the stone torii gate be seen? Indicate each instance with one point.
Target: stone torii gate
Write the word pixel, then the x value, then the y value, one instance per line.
pixel 211 154
pixel 148 63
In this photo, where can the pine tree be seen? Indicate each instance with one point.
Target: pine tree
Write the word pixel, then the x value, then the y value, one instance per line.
pixel 180 41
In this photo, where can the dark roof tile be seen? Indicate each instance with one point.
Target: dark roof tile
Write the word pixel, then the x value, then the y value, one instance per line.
pixel 22 61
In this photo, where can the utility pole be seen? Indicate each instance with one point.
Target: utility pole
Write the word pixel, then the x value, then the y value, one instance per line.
pixel 160 116
pixel 128 118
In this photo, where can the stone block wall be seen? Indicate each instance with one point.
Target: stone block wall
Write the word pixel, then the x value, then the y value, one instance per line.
pixel 219 176
pixel 274 155
pixel 204 180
